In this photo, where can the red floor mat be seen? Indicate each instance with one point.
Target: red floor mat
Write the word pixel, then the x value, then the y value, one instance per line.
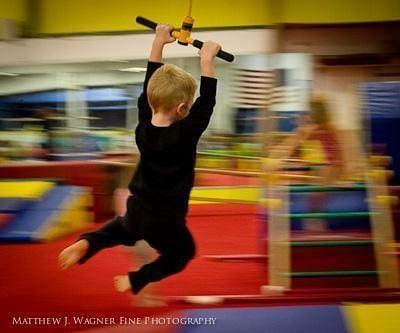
pixel 32 283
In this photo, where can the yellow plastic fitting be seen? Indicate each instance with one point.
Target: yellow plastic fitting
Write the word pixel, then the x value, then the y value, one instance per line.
pixel 186 30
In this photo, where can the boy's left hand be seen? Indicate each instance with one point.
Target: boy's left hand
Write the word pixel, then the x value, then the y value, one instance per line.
pixel 163 33
pixel 209 50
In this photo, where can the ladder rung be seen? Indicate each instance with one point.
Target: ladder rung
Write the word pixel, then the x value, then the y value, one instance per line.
pixel 327 215
pixel 331 243
pixel 299 168
pixel 331 274
pixel 319 188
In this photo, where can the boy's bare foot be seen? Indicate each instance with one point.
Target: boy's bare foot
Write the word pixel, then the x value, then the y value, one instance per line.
pixel 71 255
pixel 122 283
pixel 148 297
pixel 148 301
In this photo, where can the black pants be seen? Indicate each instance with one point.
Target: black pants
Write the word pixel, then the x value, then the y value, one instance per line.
pixel 165 232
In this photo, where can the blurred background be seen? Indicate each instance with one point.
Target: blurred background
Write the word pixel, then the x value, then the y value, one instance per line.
pixel 297 176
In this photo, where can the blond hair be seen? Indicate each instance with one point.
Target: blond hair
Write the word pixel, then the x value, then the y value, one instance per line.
pixel 170 86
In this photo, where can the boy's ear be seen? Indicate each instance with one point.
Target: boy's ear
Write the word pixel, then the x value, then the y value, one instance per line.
pixel 181 108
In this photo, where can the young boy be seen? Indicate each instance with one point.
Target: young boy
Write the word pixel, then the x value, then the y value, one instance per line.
pixel 169 128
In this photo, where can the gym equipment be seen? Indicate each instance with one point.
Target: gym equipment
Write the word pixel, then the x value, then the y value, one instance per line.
pixel 61 210
pixel 26 190
pixel 371 318
pixel 282 246
pixel 368 268
pixel 381 113
pixel 319 188
pixel 183 36
pixel 242 194
pixel 13 205
pixel 4 219
pixel 195 42
pixel 327 215
pixel 100 178
pixel 273 319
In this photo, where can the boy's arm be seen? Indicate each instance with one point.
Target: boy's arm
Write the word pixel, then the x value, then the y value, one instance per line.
pixel 202 109
pixel 207 67
pixel 161 38
pixel 143 104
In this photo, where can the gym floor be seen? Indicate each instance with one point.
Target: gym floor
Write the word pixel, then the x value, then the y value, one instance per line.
pixel 37 288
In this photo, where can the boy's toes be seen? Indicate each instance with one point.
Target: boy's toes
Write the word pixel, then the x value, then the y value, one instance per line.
pixel 72 254
pixel 121 283
pixel 117 286
pixel 61 261
pixel 66 259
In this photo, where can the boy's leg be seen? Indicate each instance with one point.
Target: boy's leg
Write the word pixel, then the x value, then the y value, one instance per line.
pixel 111 234
pixel 142 253
pixel 176 247
pixel 115 232
pixel 120 230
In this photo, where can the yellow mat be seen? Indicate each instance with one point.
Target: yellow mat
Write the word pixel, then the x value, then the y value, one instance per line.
pixel 373 318
pixel 245 194
pixel 24 189
pixel 74 215
pixel 201 202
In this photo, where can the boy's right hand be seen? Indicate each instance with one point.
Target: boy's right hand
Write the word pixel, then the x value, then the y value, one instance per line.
pixel 209 50
pixel 163 33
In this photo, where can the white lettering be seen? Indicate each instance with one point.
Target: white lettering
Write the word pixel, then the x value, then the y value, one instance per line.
pixel 130 321
pixel 93 321
pixel 36 321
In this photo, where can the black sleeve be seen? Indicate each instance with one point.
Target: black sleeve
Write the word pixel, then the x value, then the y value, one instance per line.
pixel 143 103
pixel 200 113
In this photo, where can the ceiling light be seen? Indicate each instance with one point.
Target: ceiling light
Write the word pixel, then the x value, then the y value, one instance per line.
pixel 8 74
pixel 116 60
pixel 133 69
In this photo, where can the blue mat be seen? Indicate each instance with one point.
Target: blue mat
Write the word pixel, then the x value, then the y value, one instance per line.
pixel 288 319
pixel 333 202
pixel 14 205
pixel 382 108
pixel 28 224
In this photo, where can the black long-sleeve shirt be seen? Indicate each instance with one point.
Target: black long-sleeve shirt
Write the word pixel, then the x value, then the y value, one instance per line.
pixel 165 174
